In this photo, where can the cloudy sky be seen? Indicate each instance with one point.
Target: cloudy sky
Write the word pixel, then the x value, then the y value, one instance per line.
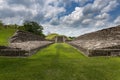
pixel 68 17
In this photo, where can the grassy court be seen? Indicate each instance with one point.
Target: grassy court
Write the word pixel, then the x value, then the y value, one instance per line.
pixel 60 62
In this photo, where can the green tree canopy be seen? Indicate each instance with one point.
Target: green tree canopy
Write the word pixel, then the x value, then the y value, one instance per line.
pixel 1 23
pixel 33 27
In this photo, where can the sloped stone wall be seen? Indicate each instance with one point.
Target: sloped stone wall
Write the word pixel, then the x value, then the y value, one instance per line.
pixel 83 50
pixel 31 46
pixel 104 34
pixel 104 42
pixel 23 36
pixel 23 49
pixel 24 44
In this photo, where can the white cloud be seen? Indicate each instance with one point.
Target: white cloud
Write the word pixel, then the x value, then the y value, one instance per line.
pixel 18 20
pixel 86 21
pixel 99 23
pixel 1 1
pixel 117 20
pixel 111 5
pixel 51 11
pixel 99 4
pixel 85 18
pixel 74 16
pixel 81 2
pixel 102 16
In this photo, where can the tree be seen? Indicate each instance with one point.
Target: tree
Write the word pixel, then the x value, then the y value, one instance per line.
pixel 33 27
pixel 1 23
pixel 72 38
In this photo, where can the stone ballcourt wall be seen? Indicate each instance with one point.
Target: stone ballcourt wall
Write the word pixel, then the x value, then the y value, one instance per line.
pixel 24 44
pixel 29 45
pixel 83 50
pixel 104 42
pixel 110 51
pixel 23 36
pixel 104 52
pixel 112 33
pixel 11 51
pixel 7 51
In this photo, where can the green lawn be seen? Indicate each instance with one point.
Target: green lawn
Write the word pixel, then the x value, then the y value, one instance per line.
pixel 5 34
pixel 60 62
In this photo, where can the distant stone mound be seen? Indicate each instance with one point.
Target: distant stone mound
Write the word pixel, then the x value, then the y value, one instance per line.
pixel 104 42
pixel 23 36
pixel 60 39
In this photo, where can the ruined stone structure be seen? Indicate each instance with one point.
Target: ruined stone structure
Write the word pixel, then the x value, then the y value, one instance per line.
pixel 22 36
pixel 30 46
pixel 60 39
pixel 8 51
pixel 104 42
pixel 24 44
pixel 23 48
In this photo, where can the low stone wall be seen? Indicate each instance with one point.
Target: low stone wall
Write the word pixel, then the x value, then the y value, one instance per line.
pixel 4 47
pixel 12 52
pixel 34 50
pixel 7 51
pixel 23 49
pixel 31 46
pixel 112 51
pixel 104 52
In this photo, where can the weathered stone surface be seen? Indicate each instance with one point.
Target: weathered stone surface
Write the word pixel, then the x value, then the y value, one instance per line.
pixel 60 39
pixel 30 46
pixel 23 49
pixel 8 51
pixel 24 44
pixel 23 36
pixel 106 40
pixel 105 34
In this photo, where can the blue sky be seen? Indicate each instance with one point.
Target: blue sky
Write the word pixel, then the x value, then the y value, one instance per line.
pixel 66 17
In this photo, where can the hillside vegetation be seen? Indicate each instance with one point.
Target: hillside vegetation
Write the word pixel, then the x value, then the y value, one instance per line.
pixel 5 34
pixel 51 36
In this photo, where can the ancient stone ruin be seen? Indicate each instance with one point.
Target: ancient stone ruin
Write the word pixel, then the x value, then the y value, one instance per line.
pixel 23 36
pixel 24 44
pixel 104 42
pixel 60 39
pixel 30 47
pixel 8 51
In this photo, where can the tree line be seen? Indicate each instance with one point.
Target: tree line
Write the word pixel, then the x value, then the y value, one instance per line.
pixel 30 26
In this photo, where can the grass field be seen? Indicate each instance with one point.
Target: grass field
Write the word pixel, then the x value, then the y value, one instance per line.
pixel 60 62
pixel 5 34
